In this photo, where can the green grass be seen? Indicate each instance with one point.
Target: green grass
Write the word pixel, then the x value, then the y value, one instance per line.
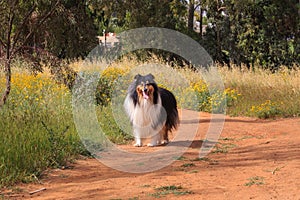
pixel 110 127
pixel 256 93
pixel 223 147
pixel 261 88
pixel 37 128
pixel 193 172
pixel 163 191
pixel 134 198
pixel 188 165
pixel 180 158
pixel 257 180
pixel 205 159
pixel 36 131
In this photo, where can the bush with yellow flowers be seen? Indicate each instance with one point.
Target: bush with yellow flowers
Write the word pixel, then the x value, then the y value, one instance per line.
pixel 106 84
pixel 215 100
pixel 34 93
pixel 36 128
pixel 268 109
pixel 196 96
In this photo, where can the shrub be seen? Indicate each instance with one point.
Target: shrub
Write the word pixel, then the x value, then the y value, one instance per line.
pixel 36 128
pixel 106 84
pixel 196 97
pixel 215 100
pixel 266 110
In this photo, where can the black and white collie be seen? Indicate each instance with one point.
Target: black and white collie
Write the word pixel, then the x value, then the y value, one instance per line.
pixel 152 111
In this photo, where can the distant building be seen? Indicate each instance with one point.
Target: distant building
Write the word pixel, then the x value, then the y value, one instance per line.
pixel 197 27
pixel 109 40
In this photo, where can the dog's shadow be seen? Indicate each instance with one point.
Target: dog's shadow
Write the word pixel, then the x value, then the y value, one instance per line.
pixel 195 144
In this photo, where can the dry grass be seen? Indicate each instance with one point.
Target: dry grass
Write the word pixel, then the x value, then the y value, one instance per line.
pixel 39 109
pixel 258 86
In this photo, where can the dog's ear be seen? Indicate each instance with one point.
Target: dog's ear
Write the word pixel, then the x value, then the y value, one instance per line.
pixel 137 76
pixel 151 76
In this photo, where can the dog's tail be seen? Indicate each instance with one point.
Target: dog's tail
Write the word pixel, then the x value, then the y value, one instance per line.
pixel 170 105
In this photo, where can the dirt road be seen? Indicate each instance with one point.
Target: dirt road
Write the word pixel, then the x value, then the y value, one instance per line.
pixel 254 159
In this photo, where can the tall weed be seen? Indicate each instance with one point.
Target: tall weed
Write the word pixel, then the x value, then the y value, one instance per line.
pixel 36 128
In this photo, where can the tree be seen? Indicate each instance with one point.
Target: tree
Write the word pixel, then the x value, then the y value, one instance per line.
pixel 268 31
pixel 108 15
pixel 192 7
pixel 154 13
pixel 262 32
pixel 14 33
pixel 43 32
pixel 135 13
pixel 70 32
pixel 216 37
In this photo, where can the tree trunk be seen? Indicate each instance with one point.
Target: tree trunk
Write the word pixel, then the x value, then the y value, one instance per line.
pixel 191 16
pixel 201 22
pixel 7 71
pixel 218 40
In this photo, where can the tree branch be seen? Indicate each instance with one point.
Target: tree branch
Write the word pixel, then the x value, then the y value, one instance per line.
pixel 45 17
pixel 197 6
pixel 221 8
pixel 19 30
pixel 11 17
pixel 7 65
pixel 2 43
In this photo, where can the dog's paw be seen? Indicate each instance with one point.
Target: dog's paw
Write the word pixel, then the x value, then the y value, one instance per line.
pixel 137 145
pixel 164 142
pixel 151 145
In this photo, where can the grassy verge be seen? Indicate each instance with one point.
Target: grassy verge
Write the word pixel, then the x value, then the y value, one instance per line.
pixel 264 94
pixel 256 93
pixel 37 128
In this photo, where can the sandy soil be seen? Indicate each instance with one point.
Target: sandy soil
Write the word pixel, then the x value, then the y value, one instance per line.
pixel 254 159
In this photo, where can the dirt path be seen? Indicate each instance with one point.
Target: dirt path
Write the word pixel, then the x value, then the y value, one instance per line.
pixel 255 159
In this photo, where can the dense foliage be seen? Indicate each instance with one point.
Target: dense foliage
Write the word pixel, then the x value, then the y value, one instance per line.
pixel 62 28
pixel 36 128
pixel 252 32
pixel 264 32
pixel 261 32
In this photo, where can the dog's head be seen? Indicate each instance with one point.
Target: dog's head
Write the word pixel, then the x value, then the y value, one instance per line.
pixel 145 86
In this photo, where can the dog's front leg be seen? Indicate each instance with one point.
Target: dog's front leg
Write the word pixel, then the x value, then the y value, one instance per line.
pixel 154 140
pixel 138 142
pixel 137 138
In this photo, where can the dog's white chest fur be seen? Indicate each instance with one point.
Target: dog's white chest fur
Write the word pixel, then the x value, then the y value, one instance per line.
pixel 143 117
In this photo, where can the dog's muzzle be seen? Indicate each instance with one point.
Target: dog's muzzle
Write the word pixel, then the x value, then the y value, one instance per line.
pixel 145 93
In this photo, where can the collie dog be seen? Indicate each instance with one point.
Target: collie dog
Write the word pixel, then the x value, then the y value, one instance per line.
pixel 152 111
